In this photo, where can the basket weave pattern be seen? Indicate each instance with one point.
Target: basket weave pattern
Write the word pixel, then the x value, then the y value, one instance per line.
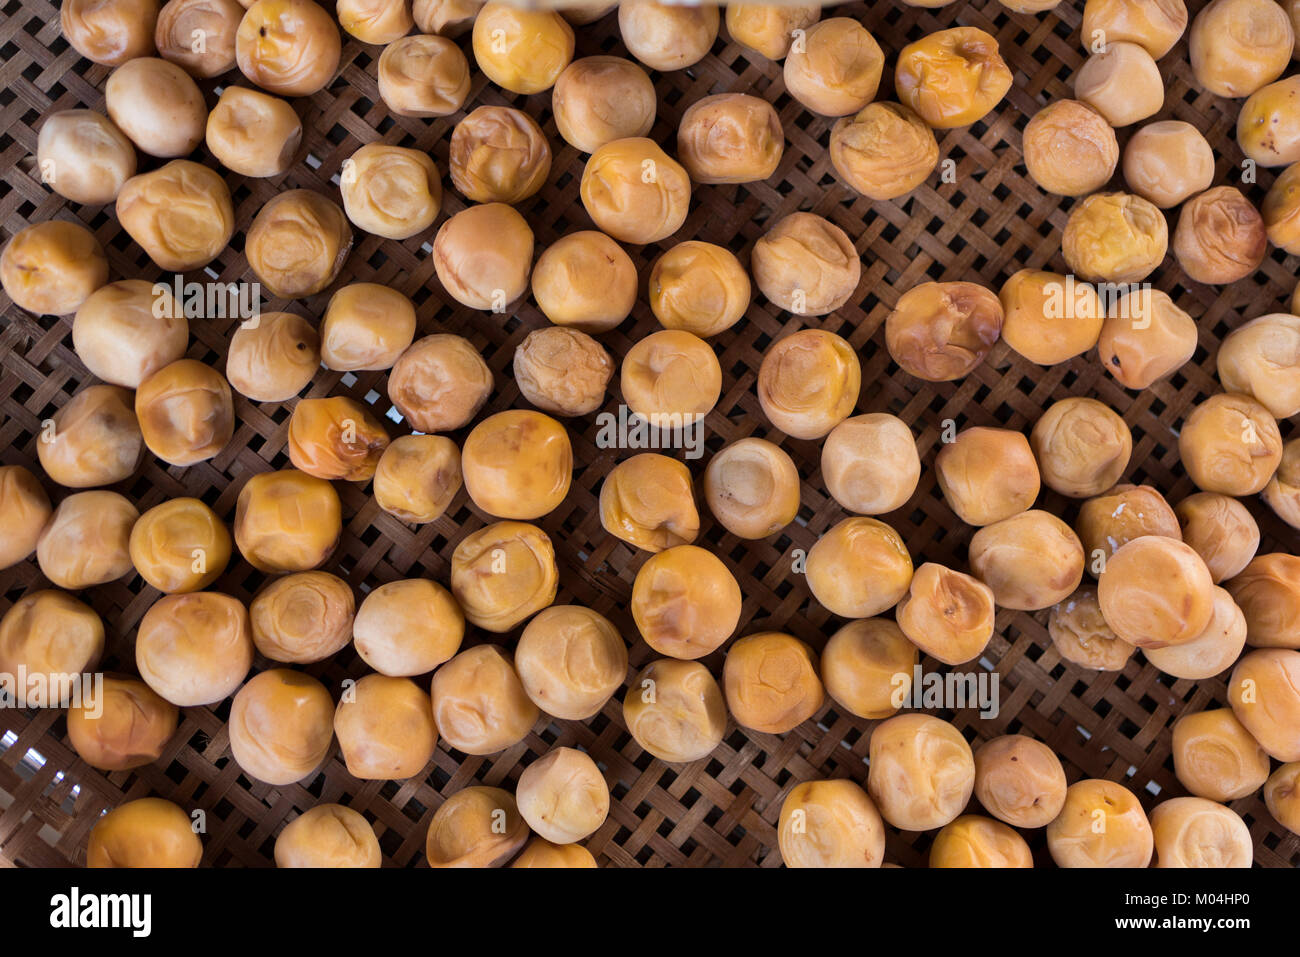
pixel 989 222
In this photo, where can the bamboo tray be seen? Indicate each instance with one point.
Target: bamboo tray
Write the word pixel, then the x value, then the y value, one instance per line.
pixel 989 222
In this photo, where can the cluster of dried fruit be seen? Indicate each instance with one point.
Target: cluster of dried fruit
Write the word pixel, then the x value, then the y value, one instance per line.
pixel 1157 567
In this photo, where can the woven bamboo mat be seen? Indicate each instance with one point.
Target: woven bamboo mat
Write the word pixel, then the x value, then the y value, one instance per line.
pixel 990 222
